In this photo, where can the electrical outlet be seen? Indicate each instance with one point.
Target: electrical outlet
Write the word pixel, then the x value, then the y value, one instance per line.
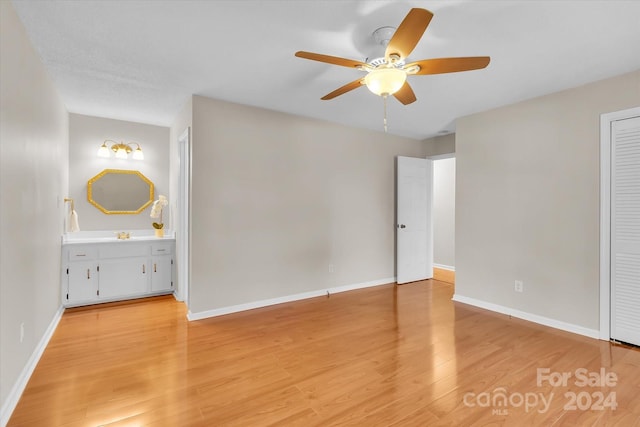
pixel 21 331
pixel 519 286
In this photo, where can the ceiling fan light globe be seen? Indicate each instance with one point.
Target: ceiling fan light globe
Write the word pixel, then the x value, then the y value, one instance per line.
pixel 385 81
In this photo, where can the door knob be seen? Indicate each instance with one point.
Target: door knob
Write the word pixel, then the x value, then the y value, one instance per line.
pixel 402 226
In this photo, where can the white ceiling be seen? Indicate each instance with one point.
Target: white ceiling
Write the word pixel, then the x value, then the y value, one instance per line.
pixel 140 60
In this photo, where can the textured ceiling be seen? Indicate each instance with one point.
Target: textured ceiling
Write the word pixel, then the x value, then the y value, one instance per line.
pixel 141 60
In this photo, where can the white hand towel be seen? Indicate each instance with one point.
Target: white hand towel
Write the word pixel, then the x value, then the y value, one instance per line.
pixel 73 222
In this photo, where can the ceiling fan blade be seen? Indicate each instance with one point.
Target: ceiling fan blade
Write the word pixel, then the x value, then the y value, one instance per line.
pixel 344 89
pixel 330 59
pixel 449 65
pixel 408 34
pixel 405 94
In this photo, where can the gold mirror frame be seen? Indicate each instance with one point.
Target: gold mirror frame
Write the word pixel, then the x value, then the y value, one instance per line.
pixel 96 178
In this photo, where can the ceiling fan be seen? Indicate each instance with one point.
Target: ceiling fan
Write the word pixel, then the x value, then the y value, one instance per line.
pixel 388 75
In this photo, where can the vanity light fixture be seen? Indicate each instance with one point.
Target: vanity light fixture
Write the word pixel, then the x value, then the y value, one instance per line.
pixel 121 150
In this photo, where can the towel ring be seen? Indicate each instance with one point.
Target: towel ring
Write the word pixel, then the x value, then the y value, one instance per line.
pixel 72 206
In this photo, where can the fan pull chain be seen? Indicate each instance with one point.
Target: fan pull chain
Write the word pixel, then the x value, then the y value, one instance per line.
pixel 384 98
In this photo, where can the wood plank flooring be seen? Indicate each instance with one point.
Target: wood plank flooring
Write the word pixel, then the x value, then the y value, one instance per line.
pixel 443 275
pixel 385 356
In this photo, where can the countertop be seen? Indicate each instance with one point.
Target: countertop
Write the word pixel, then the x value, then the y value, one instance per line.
pixel 84 237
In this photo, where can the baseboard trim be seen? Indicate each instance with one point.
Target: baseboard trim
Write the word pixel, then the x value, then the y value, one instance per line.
pixel 541 320
pixel 444 267
pixel 288 298
pixel 18 387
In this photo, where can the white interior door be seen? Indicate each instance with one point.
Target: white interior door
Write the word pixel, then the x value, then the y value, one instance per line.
pixel 625 230
pixel 414 237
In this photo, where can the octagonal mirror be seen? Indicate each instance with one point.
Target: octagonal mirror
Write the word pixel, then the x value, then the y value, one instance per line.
pixel 116 191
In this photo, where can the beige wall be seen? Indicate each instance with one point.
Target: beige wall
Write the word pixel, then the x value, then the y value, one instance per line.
pixel 277 198
pixel 86 134
pixel 527 201
pixel 440 145
pixel 33 182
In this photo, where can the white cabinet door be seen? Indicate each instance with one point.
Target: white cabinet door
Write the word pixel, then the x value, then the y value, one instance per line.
pixel 161 273
pixel 82 282
pixel 123 277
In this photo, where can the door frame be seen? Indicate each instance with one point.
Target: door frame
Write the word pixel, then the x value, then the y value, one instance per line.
pixel 605 215
pixel 183 241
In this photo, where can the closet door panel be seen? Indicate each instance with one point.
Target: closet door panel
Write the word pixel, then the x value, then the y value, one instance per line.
pixel 625 230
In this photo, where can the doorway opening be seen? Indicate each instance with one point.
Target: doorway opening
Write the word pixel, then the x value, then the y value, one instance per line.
pixel 425 250
pixel 444 213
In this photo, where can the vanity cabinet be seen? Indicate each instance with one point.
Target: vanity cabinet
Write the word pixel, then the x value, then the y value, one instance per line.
pixel 116 270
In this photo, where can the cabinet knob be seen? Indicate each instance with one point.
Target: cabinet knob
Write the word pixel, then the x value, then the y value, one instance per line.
pixel 143 270
pixel 88 273
pixel 154 268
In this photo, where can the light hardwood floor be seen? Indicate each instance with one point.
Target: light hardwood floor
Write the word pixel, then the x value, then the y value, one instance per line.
pixel 385 356
pixel 443 275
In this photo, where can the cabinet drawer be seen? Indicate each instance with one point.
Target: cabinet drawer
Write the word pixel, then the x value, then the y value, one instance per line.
pixel 81 254
pixel 161 249
pixel 123 250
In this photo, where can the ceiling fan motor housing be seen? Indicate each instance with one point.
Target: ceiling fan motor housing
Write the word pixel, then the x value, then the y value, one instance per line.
pixel 383 35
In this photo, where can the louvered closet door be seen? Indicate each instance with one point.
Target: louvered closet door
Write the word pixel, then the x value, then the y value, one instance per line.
pixel 625 230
